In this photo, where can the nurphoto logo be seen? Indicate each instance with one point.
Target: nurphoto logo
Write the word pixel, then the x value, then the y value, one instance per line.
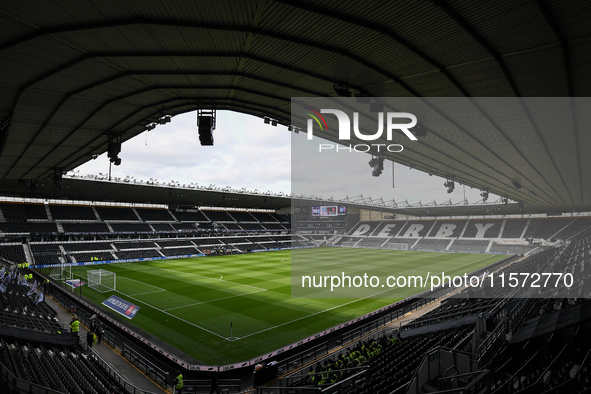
pixel 387 122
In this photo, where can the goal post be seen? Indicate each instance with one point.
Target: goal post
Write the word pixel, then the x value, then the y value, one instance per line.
pixel 102 280
pixel 396 246
pixel 60 272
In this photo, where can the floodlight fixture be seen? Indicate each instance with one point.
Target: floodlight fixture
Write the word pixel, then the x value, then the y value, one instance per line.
pixel 484 195
pixel 342 90
pixel 377 165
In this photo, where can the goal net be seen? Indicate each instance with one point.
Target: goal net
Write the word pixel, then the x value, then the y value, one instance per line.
pixel 396 246
pixel 349 244
pixel 102 280
pixel 61 271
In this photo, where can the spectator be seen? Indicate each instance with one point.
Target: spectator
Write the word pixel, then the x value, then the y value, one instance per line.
pixel 178 382
pixel 89 340
pixel 40 298
pixel 99 332
pixel 75 325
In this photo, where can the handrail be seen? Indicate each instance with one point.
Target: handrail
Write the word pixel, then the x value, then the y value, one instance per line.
pixel 127 385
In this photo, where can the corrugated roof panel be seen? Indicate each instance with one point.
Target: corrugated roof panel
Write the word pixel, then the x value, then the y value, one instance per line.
pixel 73 112
pixel 539 73
pixel 572 18
pixel 333 63
pixel 361 41
pixel 581 51
pixel 26 63
pixel 287 75
pixel 12 28
pixel 433 32
pixel 506 26
pixel 189 79
pixel 271 89
pixel 482 79
pixel 433 84
pixel 78 76
pixel 176 63
pixel 153 38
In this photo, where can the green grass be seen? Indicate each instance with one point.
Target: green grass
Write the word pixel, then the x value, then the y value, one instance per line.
pixel 189 303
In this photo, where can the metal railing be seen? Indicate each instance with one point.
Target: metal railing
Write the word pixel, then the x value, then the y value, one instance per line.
pixel 349 384
pixel 228 386
pixel 114 375
pixel 146 366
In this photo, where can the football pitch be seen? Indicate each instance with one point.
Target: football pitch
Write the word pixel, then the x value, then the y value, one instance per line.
pixel 226 309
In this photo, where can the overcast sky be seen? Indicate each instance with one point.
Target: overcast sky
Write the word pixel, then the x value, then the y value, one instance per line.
pixel 249 153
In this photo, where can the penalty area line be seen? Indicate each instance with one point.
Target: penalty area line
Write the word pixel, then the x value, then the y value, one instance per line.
pixel 171 315
pixel 214 300
pixel 314 314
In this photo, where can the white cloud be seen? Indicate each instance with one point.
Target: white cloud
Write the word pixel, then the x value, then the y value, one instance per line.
pixel 247 153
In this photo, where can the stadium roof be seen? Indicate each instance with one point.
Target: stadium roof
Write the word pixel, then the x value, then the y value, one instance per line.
pixel 73 73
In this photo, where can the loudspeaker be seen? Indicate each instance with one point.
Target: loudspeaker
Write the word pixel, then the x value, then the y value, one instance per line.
pixel 205 132
pixel 114 149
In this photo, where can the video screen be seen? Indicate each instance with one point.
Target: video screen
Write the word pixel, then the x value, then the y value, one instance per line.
pixel 328 211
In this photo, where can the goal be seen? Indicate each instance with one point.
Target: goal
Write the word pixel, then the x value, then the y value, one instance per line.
pixel 102 280
pixel 396 246
pixel 62 271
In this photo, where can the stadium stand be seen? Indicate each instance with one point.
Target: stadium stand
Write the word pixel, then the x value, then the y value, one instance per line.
pixel 471 246
pixel 117 214
pixel 234 227
pixel 451 229
pixel 274 227
pixel 242 216
pixel 513 228
pixel 546 228
pixel 166 243
pixel 73 247
pixel 12 253
pixel 264 217
pixel 154 215
pixel 85 228
pixel 183 226
pixel 483 229
pixel 511 248
pixel 252 227
pixel 218 216
pixel 163 227
pixel 72 212
pixel 178 251
pixel 23 212
pixel 134 245
pixel 45 253
pixel 432 244
pixel 131 228
pixel 190 216
pixel 138 253
pixel 28 228
pixel 87 257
